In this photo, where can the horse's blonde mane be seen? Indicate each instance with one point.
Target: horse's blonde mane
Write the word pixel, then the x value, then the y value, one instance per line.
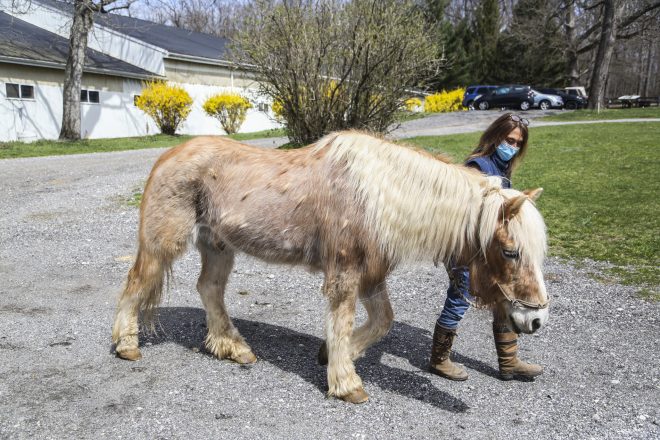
pixel 405 191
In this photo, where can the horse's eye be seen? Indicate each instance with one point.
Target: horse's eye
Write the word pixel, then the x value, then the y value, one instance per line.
pixel 512 254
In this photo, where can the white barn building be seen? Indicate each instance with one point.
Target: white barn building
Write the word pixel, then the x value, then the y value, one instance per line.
pixel 122 53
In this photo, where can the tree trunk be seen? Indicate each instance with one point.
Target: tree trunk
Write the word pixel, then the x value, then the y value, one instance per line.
pixel 83 17
pixel 647 71
pixel 611 16
pixel 572 71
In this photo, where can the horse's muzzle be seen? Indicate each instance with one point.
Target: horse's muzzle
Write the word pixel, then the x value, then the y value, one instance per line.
pixel 527 320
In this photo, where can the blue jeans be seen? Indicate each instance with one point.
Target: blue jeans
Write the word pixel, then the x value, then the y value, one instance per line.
pixel 455 304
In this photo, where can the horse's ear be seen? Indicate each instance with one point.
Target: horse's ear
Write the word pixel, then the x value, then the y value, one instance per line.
pixel 512 206
pixel 533 194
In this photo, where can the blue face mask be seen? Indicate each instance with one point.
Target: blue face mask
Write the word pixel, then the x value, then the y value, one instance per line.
pixel 505 151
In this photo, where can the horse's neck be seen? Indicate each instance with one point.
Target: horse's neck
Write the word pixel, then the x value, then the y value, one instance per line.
pixel 439 213
pixel 416 206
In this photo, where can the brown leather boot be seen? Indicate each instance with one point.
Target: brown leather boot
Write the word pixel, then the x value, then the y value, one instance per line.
pixel 506 343
pixel 440 362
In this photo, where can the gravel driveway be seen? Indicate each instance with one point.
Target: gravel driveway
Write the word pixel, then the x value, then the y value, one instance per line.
pixel 67 235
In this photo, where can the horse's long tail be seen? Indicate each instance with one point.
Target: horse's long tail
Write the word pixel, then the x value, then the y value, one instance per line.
pixel 167 218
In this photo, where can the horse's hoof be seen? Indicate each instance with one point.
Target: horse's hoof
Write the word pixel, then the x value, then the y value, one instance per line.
pixel 356 396
pixel 323 354
pixel 130 354
pixel 245 358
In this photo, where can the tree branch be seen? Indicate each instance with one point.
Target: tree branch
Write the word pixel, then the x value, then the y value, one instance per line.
pixel 628 35
pixel 594 6
pixel 627 21
pixel 588 47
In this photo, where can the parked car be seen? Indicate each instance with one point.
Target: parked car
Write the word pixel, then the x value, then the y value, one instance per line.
pixel 571 101
pixel 629 101
pixel 544 100
pixel 513 96
pixel 576 91
pixel 473 91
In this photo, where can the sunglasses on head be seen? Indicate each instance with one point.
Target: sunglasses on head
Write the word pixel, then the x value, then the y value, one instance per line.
pixel 519 120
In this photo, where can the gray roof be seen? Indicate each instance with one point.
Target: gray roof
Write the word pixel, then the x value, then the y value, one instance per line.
pixel 23 43
pixel 176 41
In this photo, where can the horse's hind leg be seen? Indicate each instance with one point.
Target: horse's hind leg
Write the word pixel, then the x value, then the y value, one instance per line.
pixel 341 289
pixel 223 339
pixel 142 292
pixel 376 301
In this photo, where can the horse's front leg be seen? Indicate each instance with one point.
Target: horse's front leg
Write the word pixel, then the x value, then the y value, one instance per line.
pixel 379 321
pixel 341 289
pixel 380 316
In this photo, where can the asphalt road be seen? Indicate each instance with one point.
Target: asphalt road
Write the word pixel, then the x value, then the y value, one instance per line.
pixel 67 235
pixel 463 122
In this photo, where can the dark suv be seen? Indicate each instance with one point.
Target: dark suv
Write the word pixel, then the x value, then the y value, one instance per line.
pixel 571 101
pixel 512 96
pixel 472 92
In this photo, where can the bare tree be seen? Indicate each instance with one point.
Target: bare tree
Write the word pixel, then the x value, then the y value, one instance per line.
pixel 611 16
pixel 335 64
pixel 214 17
pixel 83 20
pixel 572 73
pixel 604 22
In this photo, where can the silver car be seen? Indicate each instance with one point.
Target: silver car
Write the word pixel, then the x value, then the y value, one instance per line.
pixel 544 101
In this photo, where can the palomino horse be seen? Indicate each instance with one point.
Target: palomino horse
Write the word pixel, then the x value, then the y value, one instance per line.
pixel 351 205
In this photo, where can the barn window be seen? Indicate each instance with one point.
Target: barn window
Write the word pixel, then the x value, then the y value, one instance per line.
pixel 13 91
pixel 27 92
pixel 19 91
pixel 91 96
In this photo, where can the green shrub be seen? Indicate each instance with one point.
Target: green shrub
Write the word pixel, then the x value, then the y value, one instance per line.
pixel 229 108
pixel 168 105
pixel 334 64
pixel 444 101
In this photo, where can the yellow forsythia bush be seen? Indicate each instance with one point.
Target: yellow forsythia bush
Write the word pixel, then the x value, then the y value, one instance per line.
pixel 167 104
pixel 332 89
pixel 412 104
pixel 278 110
pixel 445 101
pixel 229 108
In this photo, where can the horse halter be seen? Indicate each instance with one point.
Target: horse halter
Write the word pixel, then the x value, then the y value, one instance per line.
pixel 514 302
pixel 519 302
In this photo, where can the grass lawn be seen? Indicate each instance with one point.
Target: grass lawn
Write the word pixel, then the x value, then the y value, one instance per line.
pixel 56 148
pixel 601 199
pixel 615 113
pixel 274 132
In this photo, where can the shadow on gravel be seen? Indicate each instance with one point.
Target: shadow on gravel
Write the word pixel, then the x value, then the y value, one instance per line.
pixel 296 353
pixel 414 344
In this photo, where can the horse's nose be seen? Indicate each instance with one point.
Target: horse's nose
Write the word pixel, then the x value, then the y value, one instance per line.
pixel 536 324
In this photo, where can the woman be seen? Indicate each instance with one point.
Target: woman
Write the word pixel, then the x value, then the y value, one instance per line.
pixel 501 148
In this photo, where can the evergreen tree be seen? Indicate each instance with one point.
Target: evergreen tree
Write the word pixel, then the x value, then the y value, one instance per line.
pixel 454 39
pixel 483 47
pixel 457 69
pixel 533 50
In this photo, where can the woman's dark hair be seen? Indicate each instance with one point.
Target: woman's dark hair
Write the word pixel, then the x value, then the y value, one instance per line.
pixel 496 133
